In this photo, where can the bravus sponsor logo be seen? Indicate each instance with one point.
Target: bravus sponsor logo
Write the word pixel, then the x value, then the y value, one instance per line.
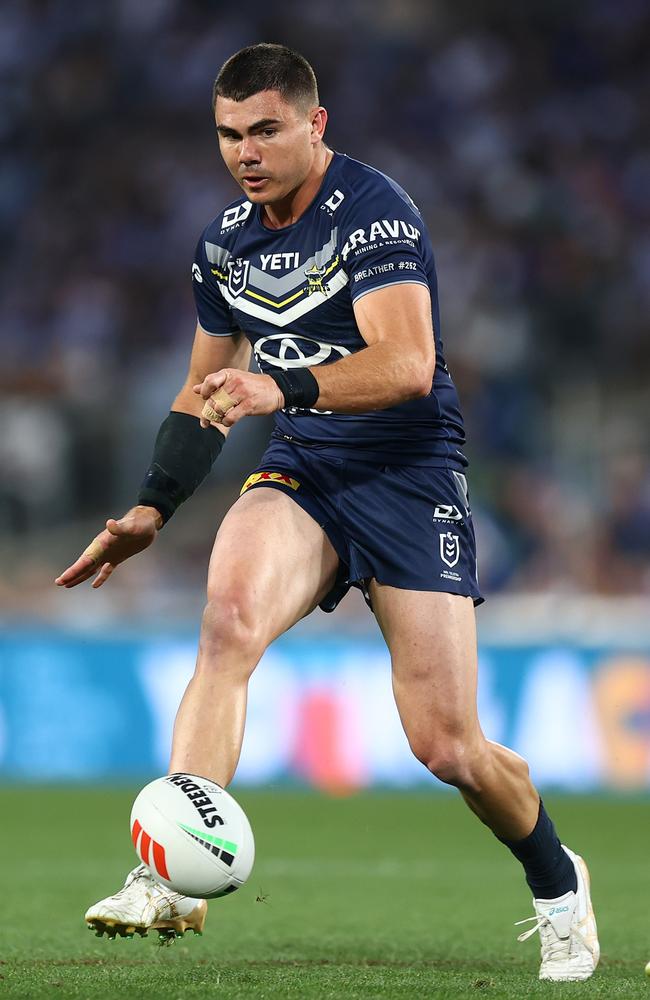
pixel 381 230
pixel 201 802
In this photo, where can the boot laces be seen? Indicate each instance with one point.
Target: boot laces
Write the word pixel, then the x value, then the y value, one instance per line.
pixel 553 946
pixel 141 872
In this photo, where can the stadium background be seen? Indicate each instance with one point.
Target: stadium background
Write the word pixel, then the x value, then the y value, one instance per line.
pixel 520 132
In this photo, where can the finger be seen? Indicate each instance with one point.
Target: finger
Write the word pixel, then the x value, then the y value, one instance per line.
pixel 67 575
pixel 234 414
pixel 95 550
pixel 213 382
pixel 117 527
pixel 211 414
pixel 222 400
pixel 103 575
pixel 73 577
pixel 204 388
pixel 90 572
pixel 83 565
pixel 217 406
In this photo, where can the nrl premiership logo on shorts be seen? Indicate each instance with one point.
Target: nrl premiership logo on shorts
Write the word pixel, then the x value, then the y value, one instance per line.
pixel 238 276
pixel 449 548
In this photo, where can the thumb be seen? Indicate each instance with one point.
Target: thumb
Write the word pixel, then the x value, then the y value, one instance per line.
pixel 211 383
pixel 116 527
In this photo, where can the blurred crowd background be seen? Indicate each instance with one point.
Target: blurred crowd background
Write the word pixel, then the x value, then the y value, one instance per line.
pixel 520 130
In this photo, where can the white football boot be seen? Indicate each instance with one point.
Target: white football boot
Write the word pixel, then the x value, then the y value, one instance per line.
pixel 144 904
pixel 567 929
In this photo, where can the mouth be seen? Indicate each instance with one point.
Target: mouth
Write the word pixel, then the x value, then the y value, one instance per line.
pixel 253 182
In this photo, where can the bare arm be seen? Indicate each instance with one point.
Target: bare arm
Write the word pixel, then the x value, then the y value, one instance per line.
pixel 398 363
pixel 137 529
pixel 210 354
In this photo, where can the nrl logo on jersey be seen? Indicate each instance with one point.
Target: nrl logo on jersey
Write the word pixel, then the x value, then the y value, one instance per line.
pixel 238 275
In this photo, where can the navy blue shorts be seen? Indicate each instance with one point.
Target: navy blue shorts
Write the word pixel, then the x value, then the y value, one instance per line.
pixel 405 526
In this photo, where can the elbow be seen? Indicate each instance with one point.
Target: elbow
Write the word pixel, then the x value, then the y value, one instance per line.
pixel 421 389
pixel 421 380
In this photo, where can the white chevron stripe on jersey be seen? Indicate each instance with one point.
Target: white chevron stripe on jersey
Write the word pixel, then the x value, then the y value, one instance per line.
pixel 266 282
pixel 308 302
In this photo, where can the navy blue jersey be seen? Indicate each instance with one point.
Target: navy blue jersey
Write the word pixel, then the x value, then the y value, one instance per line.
pixel 292 292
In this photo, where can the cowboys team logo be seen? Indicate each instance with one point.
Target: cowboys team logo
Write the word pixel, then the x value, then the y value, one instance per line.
pixel 449 549
pixel 238 275
pixel 315 277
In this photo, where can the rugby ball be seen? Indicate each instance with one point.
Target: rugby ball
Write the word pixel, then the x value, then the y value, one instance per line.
pixel 192 835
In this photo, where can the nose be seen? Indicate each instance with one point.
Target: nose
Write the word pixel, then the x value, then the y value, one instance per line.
pixel 248 152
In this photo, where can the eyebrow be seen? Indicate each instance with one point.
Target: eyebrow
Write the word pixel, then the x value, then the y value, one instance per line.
pixel 255 127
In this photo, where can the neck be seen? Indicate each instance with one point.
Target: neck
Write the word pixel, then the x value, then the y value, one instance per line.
pixel 288 210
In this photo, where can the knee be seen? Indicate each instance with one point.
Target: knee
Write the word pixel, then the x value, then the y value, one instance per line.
pixel 457 761
pixel 230 624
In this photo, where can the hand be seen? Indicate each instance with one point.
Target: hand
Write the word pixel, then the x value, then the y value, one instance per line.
pixel 120 540
pixel 253 394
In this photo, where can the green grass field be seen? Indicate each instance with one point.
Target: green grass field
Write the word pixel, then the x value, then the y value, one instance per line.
pixel 381 895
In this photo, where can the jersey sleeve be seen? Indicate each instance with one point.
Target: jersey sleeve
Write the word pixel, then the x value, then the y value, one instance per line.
pixel 384 243
pixel 212 309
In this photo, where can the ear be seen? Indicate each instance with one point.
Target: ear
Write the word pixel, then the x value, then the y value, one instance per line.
pixel 318 123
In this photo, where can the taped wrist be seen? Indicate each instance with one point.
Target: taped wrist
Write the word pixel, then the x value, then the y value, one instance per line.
pixel 298 386
pixel 183 455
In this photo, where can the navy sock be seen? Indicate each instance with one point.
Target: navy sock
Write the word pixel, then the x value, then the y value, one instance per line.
pixel 549 870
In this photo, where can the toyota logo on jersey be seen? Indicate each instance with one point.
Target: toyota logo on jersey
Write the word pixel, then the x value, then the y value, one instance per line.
pixel 282 351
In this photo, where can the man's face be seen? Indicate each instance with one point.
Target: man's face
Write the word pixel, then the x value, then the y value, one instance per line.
pixel 267 143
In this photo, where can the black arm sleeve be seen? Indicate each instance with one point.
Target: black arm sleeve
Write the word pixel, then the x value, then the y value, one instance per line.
pixel 183 455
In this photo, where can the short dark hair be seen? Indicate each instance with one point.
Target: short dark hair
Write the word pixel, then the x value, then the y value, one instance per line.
pixel 267 66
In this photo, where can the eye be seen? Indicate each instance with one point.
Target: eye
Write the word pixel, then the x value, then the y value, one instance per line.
pixel 268 132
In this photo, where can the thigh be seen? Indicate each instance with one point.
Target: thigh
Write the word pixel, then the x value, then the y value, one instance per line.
pixel 432 641
pixel 271 557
